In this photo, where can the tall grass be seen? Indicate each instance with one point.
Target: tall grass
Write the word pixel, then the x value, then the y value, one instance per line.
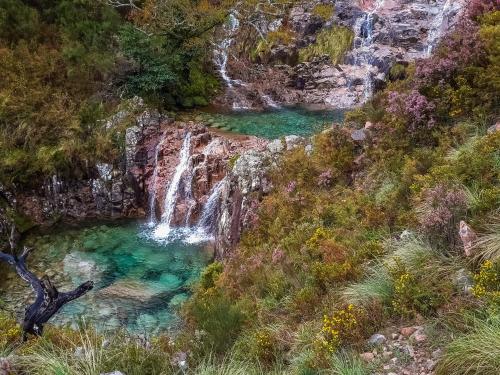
pixel 416 254
pixel 346 364
pixel 83 353
pixel 83 356
pixel 474 353
pixel 377 286
pixel 487 246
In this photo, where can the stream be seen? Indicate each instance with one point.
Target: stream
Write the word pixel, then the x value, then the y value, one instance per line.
pixel 143 271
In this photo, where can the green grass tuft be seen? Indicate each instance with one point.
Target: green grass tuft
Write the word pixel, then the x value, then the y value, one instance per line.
pixel 475 353
pixel 334 42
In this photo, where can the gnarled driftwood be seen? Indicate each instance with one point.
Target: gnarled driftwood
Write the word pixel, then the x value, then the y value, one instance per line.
pixel 48 300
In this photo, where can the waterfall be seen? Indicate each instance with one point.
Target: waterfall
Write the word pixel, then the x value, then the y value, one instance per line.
pixel 436 29
pixel 153 187
pixel 364 31
pixel 269 102
pixel 221 53
pixel 210 212
pixel 164 229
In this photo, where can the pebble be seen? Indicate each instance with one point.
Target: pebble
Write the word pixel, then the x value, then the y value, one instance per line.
pixel 407 331
pixel 368 357
pixel 377 339
pixel 420 337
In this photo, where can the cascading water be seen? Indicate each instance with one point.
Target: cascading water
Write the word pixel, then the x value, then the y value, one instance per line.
pixel 153 187
pixel 221 58
pixel 436 29
pixel 269 102
pixel 364 32
pixel 221 53
pixel 162 231
pixel 209 215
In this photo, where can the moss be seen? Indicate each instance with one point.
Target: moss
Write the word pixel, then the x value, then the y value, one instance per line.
pixel 334 42
pixel 324 11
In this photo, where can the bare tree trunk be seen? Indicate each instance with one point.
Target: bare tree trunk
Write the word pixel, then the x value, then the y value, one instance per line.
pixel 48 299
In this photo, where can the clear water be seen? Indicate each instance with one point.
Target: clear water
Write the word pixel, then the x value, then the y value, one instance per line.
pixel 140 283
pixel 275 124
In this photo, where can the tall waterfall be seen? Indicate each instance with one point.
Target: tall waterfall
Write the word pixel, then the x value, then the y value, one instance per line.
pixel 364 32
pixel 163 229
pixel 153 187
pixel 221 53
pixel 436 29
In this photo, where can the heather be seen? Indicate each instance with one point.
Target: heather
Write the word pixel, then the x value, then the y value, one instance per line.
pixel 359 235
pixel 398 229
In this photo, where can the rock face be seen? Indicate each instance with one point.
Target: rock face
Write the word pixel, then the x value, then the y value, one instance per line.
pixel 110 191
pixel 210 156
pixel 386 32
pixel 468 237
pixel 243 188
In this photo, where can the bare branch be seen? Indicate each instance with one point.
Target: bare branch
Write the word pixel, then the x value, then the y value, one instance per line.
pixel 123 4
pixel 48 300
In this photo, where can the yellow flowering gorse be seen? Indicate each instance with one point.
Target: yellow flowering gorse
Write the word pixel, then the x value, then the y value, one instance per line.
pixel 337 327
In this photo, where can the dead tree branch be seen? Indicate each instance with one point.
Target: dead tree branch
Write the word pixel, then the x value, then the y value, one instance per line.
pixel 48 300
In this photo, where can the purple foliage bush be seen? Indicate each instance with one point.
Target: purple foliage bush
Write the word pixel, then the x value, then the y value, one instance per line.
pixel 413 106
pixel 441 210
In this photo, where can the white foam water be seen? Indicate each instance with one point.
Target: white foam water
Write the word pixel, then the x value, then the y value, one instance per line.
pixel 436 30
pixel 364 31
pixel 163 229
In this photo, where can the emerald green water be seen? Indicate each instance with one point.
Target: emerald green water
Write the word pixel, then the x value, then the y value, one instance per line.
pixel 274 124
pixel 139 283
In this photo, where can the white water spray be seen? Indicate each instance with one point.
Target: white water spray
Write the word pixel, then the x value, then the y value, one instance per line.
pixel 210 211
pixel 153 187
pixel 164 228
pixel 269 102
pixel 221 53
pixel 436 30
pixel 364 31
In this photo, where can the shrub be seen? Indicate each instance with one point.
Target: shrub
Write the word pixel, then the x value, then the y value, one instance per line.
pixel 415 108
pixel 218 316
pixel 334 43
pixel 487 283
pixel 339 327
pixel 10 333
pixel 397 72
pixel 440 211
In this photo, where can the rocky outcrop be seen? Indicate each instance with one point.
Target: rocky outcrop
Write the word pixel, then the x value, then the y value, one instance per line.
pixel 243 189
pixel 210 157
pixel 386 32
